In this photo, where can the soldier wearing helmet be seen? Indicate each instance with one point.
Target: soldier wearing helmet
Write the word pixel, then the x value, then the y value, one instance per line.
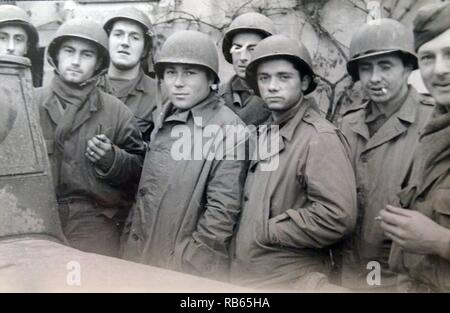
pixel 130 43
pixel 383 133
pixel 292 212
pixel 419 223
pixel 94 147
pixel 18 36
pixel 189 195
pixel 245 32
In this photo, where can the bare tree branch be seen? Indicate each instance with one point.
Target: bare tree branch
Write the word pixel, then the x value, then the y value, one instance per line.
pixel 236 12
pixel 191 18
pixel 358 7
pixel 407 10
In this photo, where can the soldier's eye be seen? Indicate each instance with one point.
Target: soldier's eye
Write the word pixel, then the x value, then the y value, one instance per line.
pixel 426 57
pixel 235 48
pixel 364 68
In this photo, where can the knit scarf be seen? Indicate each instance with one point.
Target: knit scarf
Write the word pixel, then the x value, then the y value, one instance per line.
pixel 73 99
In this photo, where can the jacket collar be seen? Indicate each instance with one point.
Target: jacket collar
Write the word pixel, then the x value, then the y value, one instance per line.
pixel 393 127
pixel 202 113
pixel 287 131
pixel 141 84
pixel 278 140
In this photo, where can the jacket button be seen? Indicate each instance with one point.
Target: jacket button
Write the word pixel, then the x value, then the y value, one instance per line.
pixel 135 237
pixel 364 158
pixel 245 198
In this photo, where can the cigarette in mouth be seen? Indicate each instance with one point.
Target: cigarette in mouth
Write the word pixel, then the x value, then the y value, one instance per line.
pixel 384 90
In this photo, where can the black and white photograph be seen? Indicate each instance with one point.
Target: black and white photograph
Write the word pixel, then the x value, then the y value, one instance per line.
pixel 236 149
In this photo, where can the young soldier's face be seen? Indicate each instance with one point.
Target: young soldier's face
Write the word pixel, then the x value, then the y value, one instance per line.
pixel 13 40
pixel 434 63
pixel 280 84
pixel 383 77
pixel 187 85
pixel 126 44
pixel 77 60
pixel 242 47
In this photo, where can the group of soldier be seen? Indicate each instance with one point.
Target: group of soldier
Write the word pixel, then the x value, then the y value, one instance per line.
pixel 374 189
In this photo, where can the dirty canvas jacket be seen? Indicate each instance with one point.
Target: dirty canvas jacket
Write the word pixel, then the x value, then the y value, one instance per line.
pixel 73 174
pixel 142 98
pixel 381 163
pixel 252 110
pixel 186 210
pixel 428 191
pixel 293 212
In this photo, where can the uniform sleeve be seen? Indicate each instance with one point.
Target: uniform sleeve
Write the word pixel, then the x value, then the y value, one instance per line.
pixel 129 151
pixel 330 212
pixel 207 253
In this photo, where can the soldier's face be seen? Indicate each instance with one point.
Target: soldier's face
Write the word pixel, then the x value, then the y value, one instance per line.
pixel 384 78
pixel 280 84
pixel 13 40
pixel 77 60
pixel 187 85
pixel 241 50
pixel 434 63
pixel 126 44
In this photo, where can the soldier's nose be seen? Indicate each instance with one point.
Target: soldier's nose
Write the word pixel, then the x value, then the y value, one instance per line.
pixel 11 46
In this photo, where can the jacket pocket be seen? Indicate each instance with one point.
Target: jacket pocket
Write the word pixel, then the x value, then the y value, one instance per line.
pixel 267 234
pixel 133 236
pixel 198 259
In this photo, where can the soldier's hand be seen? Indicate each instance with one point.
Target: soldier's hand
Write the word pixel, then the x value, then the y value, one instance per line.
pixel 100 152
pixel 415 232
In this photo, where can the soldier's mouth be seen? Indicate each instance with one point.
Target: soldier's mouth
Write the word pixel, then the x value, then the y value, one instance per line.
pixel 123 52
pixel 441 85
pixel 379 90
pixel 180 95
pixel 274 98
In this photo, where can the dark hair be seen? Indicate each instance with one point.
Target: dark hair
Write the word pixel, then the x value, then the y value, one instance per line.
pixel 301 68
pixel 209 73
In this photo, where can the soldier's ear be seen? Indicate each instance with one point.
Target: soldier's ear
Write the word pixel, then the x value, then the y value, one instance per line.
pixel 306 81
pixel 409 68
pixel 99 63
